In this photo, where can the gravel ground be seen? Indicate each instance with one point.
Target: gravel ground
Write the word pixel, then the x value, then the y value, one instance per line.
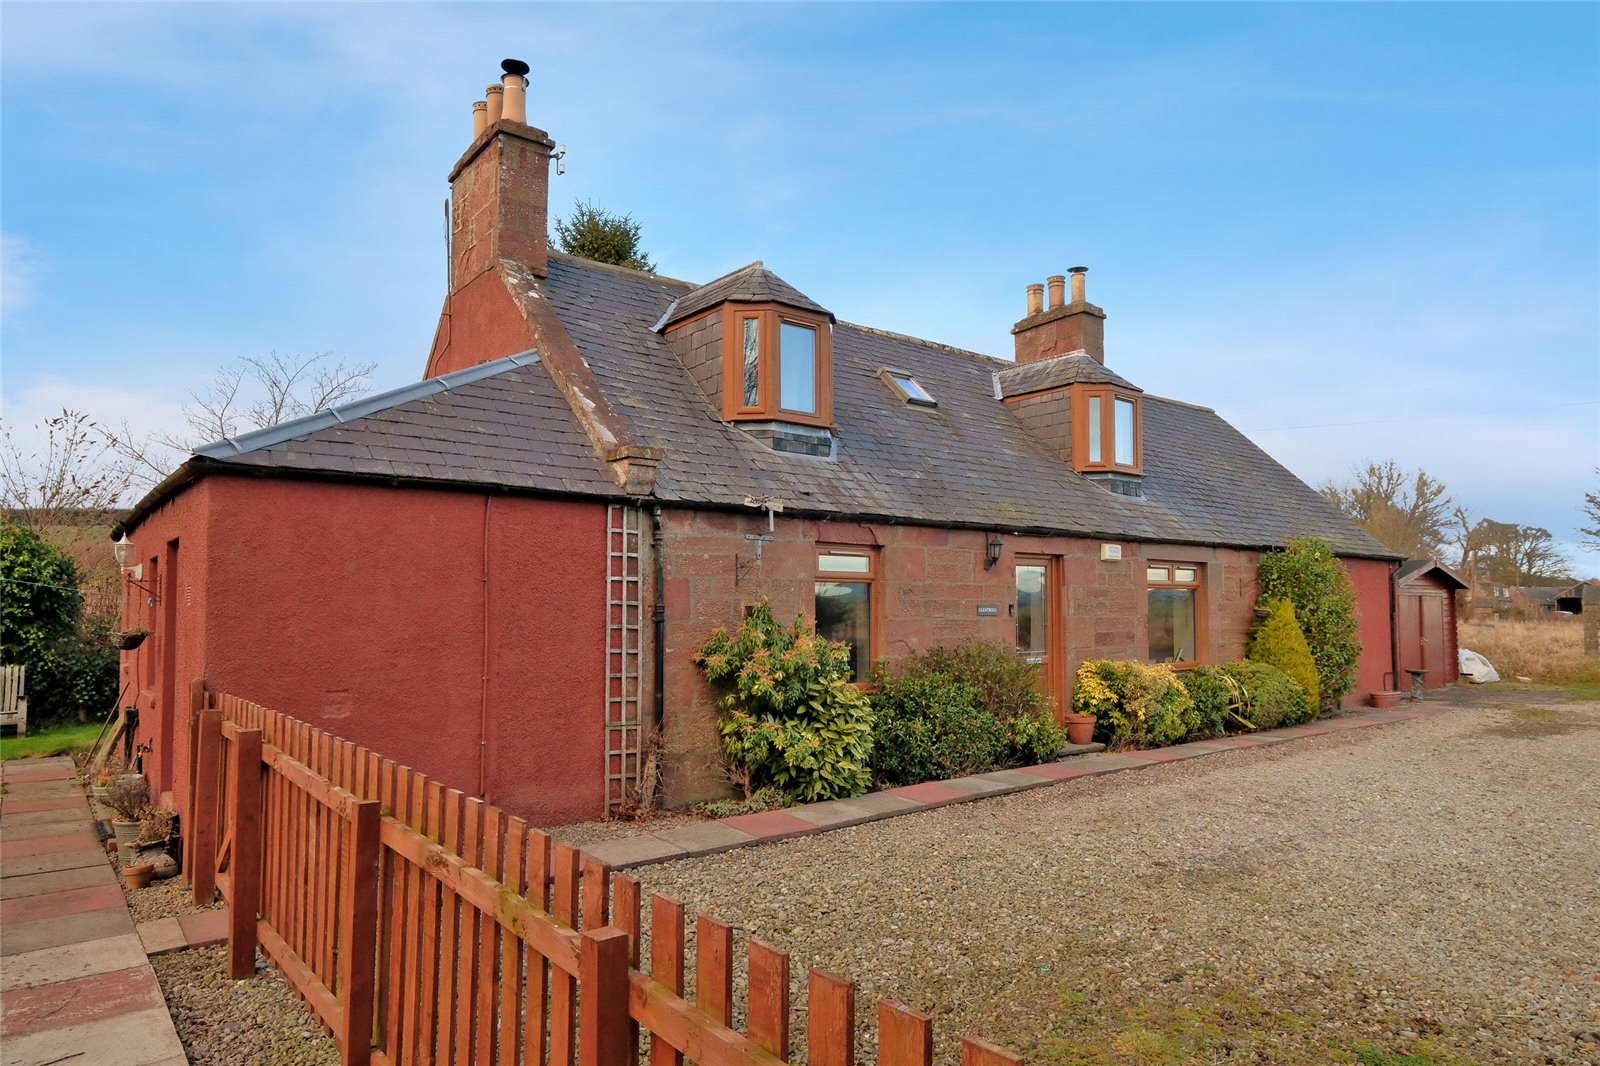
pixel 580 833
pixel 1429 888
pixel 230 1023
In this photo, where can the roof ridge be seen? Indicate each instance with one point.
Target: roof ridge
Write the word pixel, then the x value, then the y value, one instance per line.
pixel 1193 407
pixel 891 334
pixel 267 436
pixel 615 268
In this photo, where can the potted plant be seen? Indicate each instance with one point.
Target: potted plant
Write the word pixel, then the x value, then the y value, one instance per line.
pixel 154 844
pixel 138 874
pixel 1386 699
pixel 130 638
pixel 107 776
pixel 1080 727
pixel 129 800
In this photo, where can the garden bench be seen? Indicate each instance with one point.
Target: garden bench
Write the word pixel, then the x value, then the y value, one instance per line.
pixel 13 698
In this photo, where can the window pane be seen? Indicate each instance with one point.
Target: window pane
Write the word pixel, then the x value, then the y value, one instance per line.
pixel 1184 574
pixel 1172 629
pixel 797 368
pixel 1156 573
pixel 1124 433
pixel 844 563
pixel 1094 429
pixel 1033 619
pixel 844 612
pixel 909 386
pixel 752 362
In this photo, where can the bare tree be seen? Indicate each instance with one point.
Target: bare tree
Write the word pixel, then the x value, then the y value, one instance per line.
pixel 74 481
pixel 1591 513
pixel 253 393
pixel 1406 510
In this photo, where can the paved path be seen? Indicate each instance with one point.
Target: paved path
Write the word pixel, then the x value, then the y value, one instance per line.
pixel 745 830
pixel 75 985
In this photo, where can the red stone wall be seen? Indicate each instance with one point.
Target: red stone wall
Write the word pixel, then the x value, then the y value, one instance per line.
pixel 931 583
pixel 1373 582
pixel 459 634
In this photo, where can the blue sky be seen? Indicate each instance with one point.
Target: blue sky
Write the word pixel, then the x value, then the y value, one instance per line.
pixel 1359 232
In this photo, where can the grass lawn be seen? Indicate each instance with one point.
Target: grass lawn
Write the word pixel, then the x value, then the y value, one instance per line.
pixel 62 740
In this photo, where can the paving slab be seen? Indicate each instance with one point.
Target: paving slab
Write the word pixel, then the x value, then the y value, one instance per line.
pixel 1177 752
pixel 1005 782
pixel 71 961
pixel 882 804
pixel 80 999
pixel 834 814
pixel 60 904
pixel 161 936
pixel 57 881
pixel 706 838
pixel 41 773
pixel 42 790
pixel 931 793
pixel 142 1038
pixel 58 803
pixel 70 929
pixel 70 815
pixel 1107 762
pixel 72 827
pixel 1057 771
pixel 634 851
pixel 770 825
pixel 205 928
pixel 45 845
pixel 53 860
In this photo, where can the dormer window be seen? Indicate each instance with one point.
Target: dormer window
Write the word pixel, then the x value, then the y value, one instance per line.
pixel 777 365
pixel 1106 424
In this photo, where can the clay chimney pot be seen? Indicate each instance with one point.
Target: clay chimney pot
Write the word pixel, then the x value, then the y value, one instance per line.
pixel 1035 298
pixel 1079 287
pixel 515 95
pixel 494 96
pixel 480 118
pixel 1058 287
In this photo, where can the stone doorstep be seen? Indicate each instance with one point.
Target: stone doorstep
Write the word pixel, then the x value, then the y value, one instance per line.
pixel 743 830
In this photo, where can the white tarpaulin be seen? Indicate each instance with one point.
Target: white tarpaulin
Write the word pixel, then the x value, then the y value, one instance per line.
pixel 1476 668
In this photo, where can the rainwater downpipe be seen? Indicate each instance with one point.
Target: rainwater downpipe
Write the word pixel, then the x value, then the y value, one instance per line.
pixel 1394 627
pixel 483 703
pixel 659 666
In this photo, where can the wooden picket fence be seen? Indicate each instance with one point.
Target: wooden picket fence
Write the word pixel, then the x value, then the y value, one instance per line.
pixel 427 928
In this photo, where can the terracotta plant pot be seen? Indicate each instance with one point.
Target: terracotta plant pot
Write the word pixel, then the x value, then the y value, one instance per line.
pixel 1386 699
pixel 138 875
pixel 1080 728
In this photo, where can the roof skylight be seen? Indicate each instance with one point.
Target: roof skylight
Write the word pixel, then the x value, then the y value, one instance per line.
pixel 909 388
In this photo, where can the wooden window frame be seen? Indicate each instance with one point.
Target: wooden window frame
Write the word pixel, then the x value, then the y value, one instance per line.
pixel 874 600
pixel 1108 396
pixel 1199 587
pixel 771 318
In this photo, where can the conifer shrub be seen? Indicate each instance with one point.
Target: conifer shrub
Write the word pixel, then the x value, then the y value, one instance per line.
pixel 1311 577
pixel 789 717
pixel 1137 705
pixel 1268 696
pixel 1278 641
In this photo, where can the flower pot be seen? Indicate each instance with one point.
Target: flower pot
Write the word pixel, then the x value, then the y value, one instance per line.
pixel 1386 699
pixel 100 792
pixel 138 875
pixel 127 641
pixel 159 857
pixel 1080 728
pixel 127 834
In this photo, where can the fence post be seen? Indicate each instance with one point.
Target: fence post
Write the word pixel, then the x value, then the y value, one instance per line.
pixel 358 933
pixel 202 828
pixel 244 830
pixel 603 998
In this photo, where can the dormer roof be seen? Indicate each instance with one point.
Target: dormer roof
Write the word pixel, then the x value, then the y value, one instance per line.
pixel 751 283
pixel 1074 368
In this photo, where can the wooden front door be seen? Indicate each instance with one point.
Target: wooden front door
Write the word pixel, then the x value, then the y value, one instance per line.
pixel 1424 643
pixel 1038 616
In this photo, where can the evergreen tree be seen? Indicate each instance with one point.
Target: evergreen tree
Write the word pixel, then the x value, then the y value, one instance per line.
pixel 594 233
pixel 1278 641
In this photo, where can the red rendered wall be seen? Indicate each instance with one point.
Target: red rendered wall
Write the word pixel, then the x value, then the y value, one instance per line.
pixel 362 609
pixel 1372 581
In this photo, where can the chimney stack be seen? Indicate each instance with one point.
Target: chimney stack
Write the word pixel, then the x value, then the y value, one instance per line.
pixel 1061 327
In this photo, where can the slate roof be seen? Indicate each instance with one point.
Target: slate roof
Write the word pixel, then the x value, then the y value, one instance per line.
pixel 1415 567
pixel 969 461
pixel 497 423
pixel 1074 368
pixel 752 283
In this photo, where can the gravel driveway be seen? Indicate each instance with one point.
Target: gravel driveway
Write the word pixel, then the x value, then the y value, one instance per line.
pixel 1428 888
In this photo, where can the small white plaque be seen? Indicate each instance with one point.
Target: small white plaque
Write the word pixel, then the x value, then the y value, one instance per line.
pixel 1110 553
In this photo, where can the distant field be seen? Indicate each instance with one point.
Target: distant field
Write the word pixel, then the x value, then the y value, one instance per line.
pixel 1551 651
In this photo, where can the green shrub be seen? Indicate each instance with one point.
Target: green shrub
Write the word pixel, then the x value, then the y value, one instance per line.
pixel 71 671
pixel 929 727
pixel 1033 737
pixel 790 717
pixel 1269 697
pixel 1309 576
pixel 1006 685
pixel 1217 699
pixel 1139 705
pixel 764 799
pixel 1277 641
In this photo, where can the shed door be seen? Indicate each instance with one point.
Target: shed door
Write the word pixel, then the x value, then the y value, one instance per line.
pixel 1435 646
pixel 1409 606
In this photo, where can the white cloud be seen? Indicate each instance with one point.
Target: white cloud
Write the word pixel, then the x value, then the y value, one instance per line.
pixel 19 271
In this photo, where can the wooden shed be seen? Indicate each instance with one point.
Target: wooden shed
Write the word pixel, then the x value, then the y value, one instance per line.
pixel 1425 622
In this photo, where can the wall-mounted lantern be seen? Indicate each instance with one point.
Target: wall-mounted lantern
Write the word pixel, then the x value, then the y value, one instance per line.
pixel 121 548
pixel 991 551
